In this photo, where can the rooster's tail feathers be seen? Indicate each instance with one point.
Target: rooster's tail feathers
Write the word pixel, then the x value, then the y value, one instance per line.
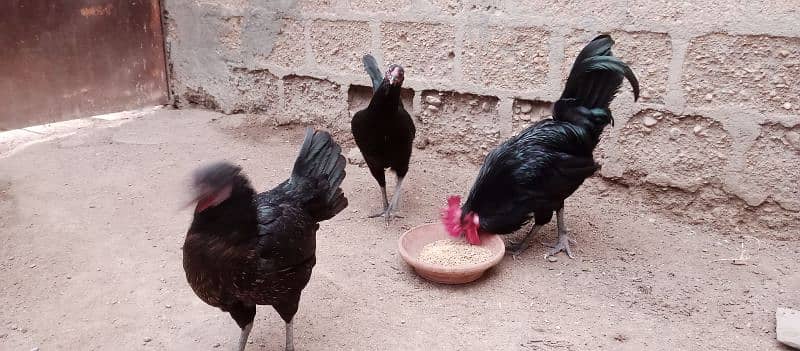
pixel 613 65
pixel 594 80
pixel 374 71
pixel 597 75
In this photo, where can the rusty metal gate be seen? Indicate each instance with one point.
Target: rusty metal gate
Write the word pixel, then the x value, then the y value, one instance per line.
pixel 64 59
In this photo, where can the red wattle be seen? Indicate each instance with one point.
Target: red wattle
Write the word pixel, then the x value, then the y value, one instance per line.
pixel 451 219
pixel 472 235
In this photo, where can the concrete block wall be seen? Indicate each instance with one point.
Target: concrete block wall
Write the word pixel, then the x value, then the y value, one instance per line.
pixel 715 138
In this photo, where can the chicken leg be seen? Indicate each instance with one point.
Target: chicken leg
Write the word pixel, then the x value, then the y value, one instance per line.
pixel 563 239
pixel 245 334
pixel 385 204
pixel 388 207
pixel 244 315
pixel 516 248
pixel 289 337
pixel 398 189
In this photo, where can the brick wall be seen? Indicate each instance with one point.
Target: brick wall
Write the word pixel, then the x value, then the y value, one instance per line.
pixel 715 138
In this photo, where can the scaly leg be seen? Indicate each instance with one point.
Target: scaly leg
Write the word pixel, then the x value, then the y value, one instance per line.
pixel 289 337
pixel 563 239
pixel 245 334
pixel 516 248
pixel 391 206
pixel 385 204
pixel 395 200
pixel 244 316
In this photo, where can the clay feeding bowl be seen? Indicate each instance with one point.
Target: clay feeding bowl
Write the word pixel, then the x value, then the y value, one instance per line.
pixel 411 243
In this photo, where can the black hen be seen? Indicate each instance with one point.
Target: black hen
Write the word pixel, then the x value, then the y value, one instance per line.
pixel 245 249
pixel 384 131
pixel 530 175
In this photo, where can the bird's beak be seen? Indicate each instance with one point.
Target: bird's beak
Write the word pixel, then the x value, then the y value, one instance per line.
pixel 197 196
pixel 190 203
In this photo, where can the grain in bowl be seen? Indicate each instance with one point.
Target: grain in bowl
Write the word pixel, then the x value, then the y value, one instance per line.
pixel 452 253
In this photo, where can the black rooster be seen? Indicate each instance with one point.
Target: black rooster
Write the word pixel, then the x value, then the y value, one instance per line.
pixel 532 174
pixel 384 131
pixel 245 249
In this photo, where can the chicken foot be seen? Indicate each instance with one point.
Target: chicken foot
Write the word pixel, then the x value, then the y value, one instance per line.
pixel 516 248
pixel 389 207
pixel 385 204
pixel 563 239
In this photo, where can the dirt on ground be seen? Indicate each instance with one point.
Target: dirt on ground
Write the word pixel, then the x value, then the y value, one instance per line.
pixel 90 259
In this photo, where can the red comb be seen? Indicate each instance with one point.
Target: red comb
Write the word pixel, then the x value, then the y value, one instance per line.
pixel 451 216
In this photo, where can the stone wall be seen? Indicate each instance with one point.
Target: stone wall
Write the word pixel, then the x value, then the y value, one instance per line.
pixel 715 138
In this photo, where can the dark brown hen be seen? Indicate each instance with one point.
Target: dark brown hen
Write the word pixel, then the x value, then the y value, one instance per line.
pixel 245 249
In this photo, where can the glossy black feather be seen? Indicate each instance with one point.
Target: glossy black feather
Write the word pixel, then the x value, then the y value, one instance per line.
pixel 597 75
pixel 259 249
pixel 530 175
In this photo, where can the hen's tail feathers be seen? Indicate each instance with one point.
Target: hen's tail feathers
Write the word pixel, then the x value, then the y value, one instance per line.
pixel 320 160
pixel 374 71
pixel 594 80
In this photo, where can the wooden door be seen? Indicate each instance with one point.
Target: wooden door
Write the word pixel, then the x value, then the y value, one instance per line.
pixel 65 59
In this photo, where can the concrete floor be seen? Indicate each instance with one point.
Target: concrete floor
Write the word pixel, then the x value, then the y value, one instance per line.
pixel 92 224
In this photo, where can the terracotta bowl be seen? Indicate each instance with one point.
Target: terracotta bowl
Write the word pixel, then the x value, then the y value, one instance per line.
pixel 412 242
